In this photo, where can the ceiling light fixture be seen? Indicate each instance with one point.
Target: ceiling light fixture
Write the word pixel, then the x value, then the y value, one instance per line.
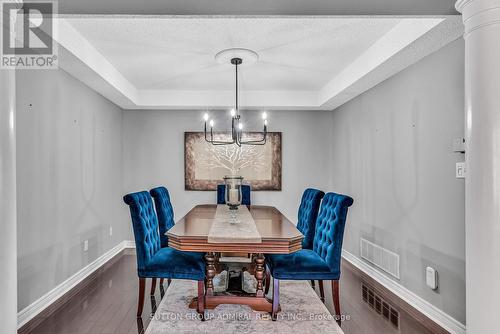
pixel 236 123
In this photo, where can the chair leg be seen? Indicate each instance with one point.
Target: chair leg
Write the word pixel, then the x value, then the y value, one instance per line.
pixel 276 298
pixel 153 286
pixel 162 288
pixel 201 299
pixel 336 300
pixel 321 291
pixel 313 284
pixel 267 281
pixel 142 291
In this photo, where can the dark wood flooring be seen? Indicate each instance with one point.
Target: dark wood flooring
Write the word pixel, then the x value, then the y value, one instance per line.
pixel 108 305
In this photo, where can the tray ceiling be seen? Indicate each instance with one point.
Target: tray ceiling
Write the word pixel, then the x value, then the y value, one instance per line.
pixel 167 62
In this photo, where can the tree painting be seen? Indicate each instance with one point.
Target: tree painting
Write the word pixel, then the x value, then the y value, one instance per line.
pixel 232 157
pixel 206 164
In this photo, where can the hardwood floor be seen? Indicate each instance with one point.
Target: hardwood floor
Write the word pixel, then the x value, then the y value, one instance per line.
pixel 108 305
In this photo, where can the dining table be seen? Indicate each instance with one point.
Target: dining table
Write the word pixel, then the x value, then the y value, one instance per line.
pixel 196 232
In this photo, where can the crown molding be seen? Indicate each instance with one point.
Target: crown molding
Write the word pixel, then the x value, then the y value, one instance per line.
pixel 460 4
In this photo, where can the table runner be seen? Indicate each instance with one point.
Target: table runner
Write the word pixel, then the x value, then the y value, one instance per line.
pixel 224 230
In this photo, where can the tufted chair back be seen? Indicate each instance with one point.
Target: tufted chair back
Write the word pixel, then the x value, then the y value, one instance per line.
pixel 329 231
pixel 308 213
pixel 145 224
pixel 245 194
pixel 164 211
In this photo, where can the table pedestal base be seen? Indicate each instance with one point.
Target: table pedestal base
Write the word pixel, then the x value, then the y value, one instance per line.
pixel 235 294
pixel 261 304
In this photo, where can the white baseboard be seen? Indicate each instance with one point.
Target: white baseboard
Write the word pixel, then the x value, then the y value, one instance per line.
pixel 50 297
pixel 438 316
pixel 129 244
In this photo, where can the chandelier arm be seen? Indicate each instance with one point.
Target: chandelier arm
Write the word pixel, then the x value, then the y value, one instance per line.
pixel 254 142
pixel 219 142
pixel 216 142
pixel 237 141
pixel 234 133
pixel 206 139
pixel 237 108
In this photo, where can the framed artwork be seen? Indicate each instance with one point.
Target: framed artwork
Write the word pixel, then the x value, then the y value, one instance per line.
pixel 205 164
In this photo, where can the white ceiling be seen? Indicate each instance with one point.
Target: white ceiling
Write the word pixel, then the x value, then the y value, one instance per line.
pixel 178 54
pixel 261 7
pixel 304 62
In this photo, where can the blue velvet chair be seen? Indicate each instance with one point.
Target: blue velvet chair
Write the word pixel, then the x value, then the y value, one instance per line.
pixel 307 215
pixel 153 261
pixel 165 214
pixel 164 211
pixel 322 262
pixel 245 194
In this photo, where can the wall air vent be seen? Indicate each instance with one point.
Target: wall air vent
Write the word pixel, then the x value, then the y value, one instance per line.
pixel 379 305
pixel 382 258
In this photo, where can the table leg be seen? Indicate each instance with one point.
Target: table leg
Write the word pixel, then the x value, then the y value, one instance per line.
pixel 210 272
pixel 259 273
pixel 257 302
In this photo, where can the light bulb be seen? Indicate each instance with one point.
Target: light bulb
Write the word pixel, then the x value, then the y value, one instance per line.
pixel 205 116
pixel 265 122
pixel 240 126
pixel 212 123
pixel 233 112
pixel 264 115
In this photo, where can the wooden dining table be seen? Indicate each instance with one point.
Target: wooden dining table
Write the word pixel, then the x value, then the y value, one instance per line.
pixel 278 234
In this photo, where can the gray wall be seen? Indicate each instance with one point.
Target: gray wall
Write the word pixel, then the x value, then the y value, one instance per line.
pixel 154 155
pixel 392 152
pixel 8 255
pixel 69 179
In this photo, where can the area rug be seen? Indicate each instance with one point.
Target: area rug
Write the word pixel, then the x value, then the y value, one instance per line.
pixel 302 313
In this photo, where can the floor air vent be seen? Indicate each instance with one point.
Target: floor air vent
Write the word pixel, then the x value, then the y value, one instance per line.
pixel 384 259
pixel 387 311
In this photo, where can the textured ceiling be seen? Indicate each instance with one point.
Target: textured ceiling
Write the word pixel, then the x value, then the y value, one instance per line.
pixel 306 62
pixel 178 54
pixel 260 7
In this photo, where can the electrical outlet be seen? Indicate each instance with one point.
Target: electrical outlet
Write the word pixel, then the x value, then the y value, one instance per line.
pixel 111 231
pixel 431 278
pixel 85 245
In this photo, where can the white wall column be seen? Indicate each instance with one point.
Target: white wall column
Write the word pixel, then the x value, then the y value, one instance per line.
pixel 8 236
pixel 482 187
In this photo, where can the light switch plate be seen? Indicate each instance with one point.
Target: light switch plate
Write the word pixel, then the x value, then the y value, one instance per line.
pixel 459 145
pixel 85 245
pixel 460 170
pixel 431 278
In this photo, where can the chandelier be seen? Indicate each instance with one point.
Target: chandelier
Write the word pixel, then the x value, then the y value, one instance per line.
pixel 237 134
